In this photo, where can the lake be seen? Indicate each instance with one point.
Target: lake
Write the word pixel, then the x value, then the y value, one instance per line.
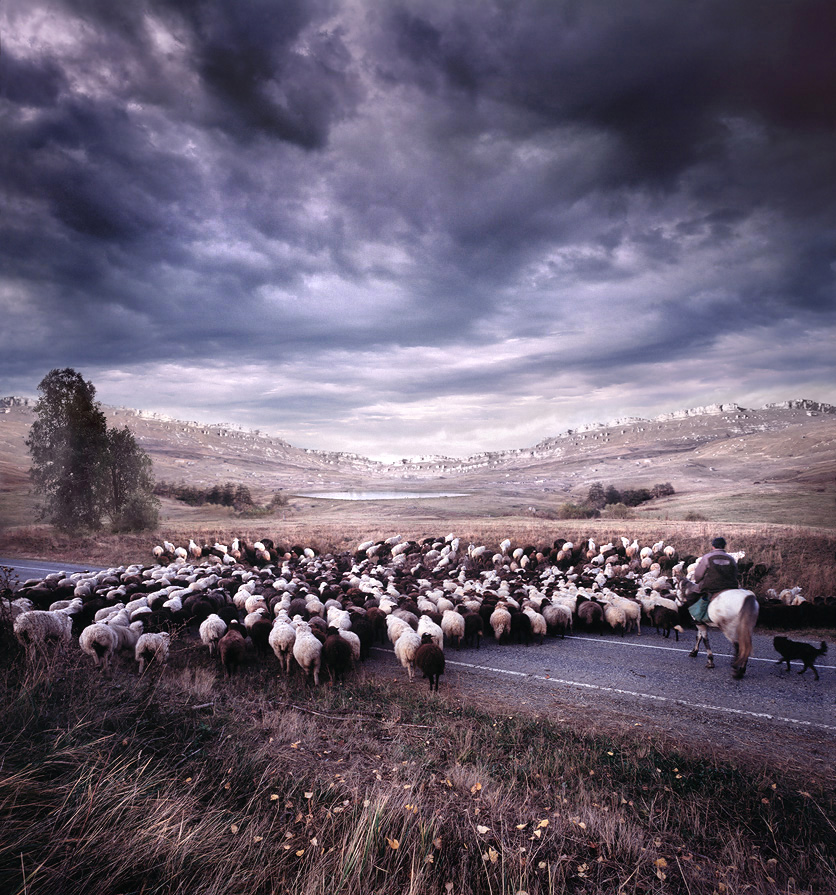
pixel 380 495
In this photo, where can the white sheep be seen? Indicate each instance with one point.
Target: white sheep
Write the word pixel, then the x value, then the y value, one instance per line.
pixel 452 624
pixel 427 626
pixel 212 628
pixel 395 627
pixel 558 617
pixel 354 641
pixel 34 628
pixel 99 641
pixel 538 623
pixel 615 617
pixel 632 612
pixel 307 651
pixel 405 648
pixel 281 640
pixel 152 647
pixel 500 621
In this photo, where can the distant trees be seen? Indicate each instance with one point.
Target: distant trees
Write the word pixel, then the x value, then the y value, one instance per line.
pixel 228 494
pixel 82 470
pixel 617 503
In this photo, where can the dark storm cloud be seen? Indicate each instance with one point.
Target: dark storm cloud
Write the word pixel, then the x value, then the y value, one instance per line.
pixel 494 199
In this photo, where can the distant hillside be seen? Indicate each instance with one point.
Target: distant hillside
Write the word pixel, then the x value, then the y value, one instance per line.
pixel 786 449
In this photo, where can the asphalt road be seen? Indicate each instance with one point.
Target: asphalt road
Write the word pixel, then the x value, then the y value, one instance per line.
pixel 36 568
pixel 651 672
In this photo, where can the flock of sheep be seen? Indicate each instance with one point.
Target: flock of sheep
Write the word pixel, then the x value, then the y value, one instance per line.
pixel 325 611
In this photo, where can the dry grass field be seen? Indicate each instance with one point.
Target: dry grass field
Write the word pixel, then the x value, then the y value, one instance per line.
pixel 179 781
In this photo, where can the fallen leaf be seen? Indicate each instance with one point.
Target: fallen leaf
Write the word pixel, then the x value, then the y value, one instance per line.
pixel 448 887
pixel 543 823
pixel 437 842
pixel 274 797
pixel 393 843
pixel 493 854
pixel 366 803
pixel 300 853
pixel 257 838
pixel 482 830
pixel 661 862
pixel 308 795
pixel 521 826
pixel 429 859
pixel 234 828
pixel 314 842
pixel 476 787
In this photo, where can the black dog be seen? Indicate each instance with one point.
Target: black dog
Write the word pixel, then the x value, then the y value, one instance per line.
pixel 796 649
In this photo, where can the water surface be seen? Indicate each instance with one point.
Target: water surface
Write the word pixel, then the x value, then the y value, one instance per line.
pixel 380 495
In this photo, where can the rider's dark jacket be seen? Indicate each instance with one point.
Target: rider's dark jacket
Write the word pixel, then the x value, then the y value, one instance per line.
pixel 715 571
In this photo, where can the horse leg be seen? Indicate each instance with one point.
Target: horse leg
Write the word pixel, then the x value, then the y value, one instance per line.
pixel 700 637
pixel 710 662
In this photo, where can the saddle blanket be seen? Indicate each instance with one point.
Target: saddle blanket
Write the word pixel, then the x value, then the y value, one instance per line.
pixel 699 611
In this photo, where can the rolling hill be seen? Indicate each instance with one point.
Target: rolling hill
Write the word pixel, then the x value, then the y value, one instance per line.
pixel 773 464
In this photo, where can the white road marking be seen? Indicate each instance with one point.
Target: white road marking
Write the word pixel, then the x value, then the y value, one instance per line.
pixel 682 702
pixel 675 649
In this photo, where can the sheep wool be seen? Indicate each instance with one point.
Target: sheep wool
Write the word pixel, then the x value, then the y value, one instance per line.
pixel 33 629
pixel 99 641
pixel 152 647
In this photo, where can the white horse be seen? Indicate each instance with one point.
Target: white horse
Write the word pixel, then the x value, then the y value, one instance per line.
pixel 735 613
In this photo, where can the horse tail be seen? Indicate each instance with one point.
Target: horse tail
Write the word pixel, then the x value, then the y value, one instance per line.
pixel 746 624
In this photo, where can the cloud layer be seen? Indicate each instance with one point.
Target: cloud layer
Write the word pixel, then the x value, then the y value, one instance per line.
pixel 419 227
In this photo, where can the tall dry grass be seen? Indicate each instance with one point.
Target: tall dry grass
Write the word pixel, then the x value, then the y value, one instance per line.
pixel 183 782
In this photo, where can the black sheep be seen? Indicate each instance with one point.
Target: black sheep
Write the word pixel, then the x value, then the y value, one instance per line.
pixel 430 659
pixel 337 655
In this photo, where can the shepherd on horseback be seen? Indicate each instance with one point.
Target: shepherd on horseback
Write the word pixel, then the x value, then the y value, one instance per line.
pixel 714 598
pixel 715 572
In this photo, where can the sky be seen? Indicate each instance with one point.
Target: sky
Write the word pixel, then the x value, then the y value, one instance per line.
pixel 417 227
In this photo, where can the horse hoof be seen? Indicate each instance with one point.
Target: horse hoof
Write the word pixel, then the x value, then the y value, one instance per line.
pixel 738 673
pixel 709 663
pixel 692 654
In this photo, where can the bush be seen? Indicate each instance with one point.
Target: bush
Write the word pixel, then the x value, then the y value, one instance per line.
pixel 617 511
pixel 694 516
pixel 141 512
pixel 577 511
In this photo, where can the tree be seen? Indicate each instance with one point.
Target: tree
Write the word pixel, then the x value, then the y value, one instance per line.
pixel 595 497
pixel 68 444
pixel 612 495
pixel 663 489
pixel 129 495
pixel 82 470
